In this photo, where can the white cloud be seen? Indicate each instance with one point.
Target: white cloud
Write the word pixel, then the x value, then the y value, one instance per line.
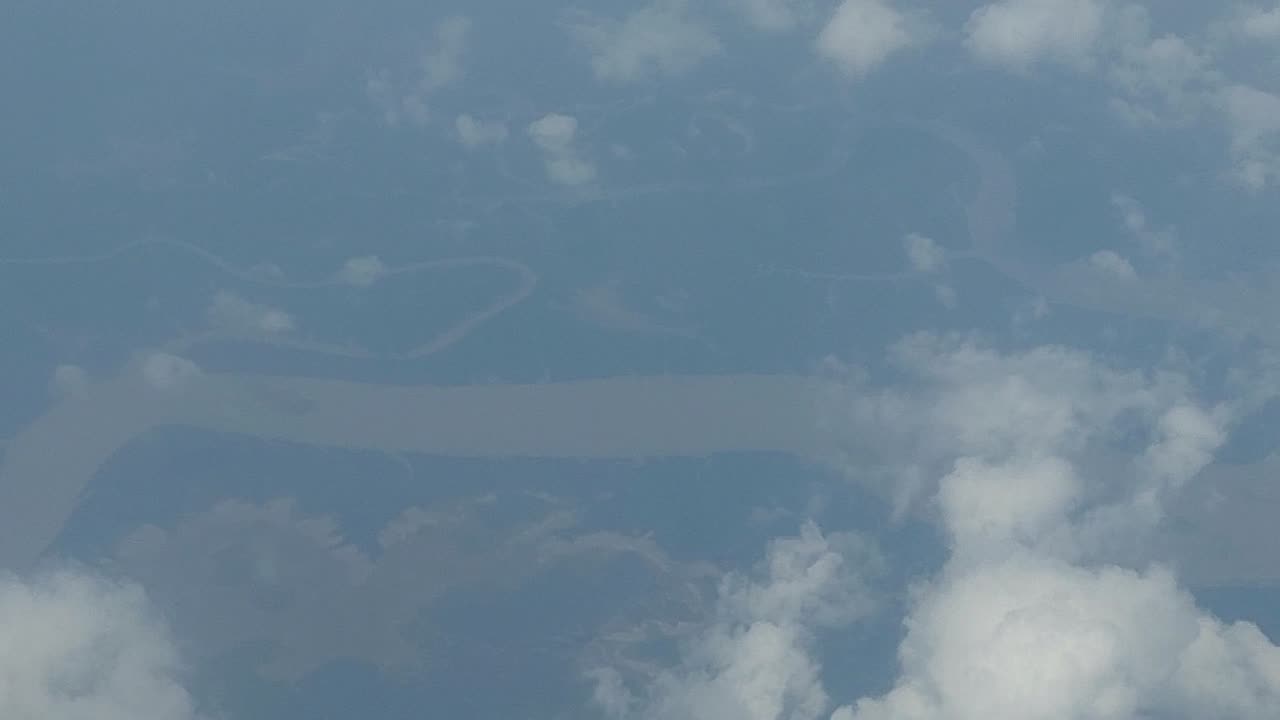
pixel 925 255
pixel 362 271
pixel 1160 243
pixel 554 132
pixel 1256 23
pixel 655 40
pixel 474 133
pixel 1165 80
pixel 229 311
pixel 77 647
pixel 755 660
pixel 1018 501
pixel 862 34
pixel 555 135
pixel 163 371
pixel 440 65
pixel 1021 33
pixel 1109 262
pixel 1253 121
pixel 1036 614
pixel 1031 638
pixel 1161 81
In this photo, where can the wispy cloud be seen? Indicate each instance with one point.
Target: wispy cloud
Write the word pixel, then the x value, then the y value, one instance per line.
pixel 408 102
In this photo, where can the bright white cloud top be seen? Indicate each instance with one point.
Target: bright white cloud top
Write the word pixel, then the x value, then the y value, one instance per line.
pixel 79 647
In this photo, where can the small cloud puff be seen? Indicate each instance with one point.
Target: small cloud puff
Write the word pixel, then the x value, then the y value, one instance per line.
pixel 475 133
pixel 362 271
pixel 1111 263
pixel 162 371
pixel 229 311
pixel 555 135
pixel 863 34
pixel 925 255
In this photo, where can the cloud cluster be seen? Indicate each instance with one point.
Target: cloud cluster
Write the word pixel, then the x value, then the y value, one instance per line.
pixel 79 647
pixel 1153 79
pixel 1044 610
pixel 555 135
pixel 665 38
pixel 755 660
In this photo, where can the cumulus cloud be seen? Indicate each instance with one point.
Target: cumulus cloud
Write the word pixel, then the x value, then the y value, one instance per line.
pixel 228 311
pixel 1021 33
pixel 163 371
pixel 924 254
pixel 659 39
pixel 362 271
pixel 79 647
pixel 555 135
pixel 1032 638
pixel 1038 613
pixel 755 660
pixel 439 66
pixel 1253 121
pixel 473 132
pixel 1260 24
pixel 1110 263
pixel 862 34
pixel 554 132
